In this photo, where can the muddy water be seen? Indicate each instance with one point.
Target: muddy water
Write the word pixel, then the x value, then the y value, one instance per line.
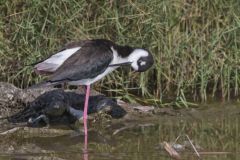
pixel 214 130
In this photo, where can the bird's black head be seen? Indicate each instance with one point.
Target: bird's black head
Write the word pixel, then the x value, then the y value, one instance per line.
pixel 141 60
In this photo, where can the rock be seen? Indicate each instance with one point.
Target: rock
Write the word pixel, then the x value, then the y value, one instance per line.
pixel 58 106
pixel 40 106
pixel 144 108
pixel 166 111
pixel 52 105
pixel 7 92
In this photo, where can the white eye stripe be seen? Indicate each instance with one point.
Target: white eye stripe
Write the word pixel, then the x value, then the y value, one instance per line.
pixel 137 54
pixel 134 58
pixel 142 63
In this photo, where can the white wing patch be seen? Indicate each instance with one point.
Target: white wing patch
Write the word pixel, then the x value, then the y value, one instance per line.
pixel 55 61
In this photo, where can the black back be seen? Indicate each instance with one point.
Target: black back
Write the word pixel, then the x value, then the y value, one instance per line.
pixel 91 60
pixel 123 51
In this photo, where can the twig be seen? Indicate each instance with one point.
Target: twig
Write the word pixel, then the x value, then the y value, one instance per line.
pixel 171 151
pixel 194 148
pixel 177 138
pixel 214 153
pixel 10 131
pixel 121 129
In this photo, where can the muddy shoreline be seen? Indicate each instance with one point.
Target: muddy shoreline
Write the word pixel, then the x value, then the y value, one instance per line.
pixel 53 102
pixel 22 104
pixel 110 125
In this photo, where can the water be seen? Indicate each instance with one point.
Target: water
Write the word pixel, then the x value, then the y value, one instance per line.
pixel 213 130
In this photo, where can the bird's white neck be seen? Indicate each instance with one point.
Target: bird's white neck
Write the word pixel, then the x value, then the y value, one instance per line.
pixel 133 57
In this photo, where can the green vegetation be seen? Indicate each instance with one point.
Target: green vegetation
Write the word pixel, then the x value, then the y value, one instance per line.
pixel 196 44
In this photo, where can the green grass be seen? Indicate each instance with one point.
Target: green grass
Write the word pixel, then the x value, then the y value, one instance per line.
pixel 196 44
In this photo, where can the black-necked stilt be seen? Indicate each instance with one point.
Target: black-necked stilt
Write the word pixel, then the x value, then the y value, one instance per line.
pixel 85 62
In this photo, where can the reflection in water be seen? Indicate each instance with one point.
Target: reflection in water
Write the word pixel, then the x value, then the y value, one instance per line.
pixel 212 130
pixel 85 150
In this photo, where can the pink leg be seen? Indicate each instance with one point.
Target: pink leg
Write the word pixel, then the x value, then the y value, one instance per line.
pixel 86 109
pixel 85 151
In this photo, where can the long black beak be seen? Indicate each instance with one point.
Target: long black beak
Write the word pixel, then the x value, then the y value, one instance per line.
pixel 120 64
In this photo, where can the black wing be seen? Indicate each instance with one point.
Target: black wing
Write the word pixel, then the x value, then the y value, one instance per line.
pixel 91 60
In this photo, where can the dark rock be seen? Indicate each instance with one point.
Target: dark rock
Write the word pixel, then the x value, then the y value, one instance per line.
pixel 51 105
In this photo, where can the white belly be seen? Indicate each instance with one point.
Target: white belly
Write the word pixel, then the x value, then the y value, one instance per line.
pixel 116 60
pixel 93 80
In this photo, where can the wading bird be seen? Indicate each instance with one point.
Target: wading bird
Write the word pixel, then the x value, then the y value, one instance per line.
pixel 87 61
